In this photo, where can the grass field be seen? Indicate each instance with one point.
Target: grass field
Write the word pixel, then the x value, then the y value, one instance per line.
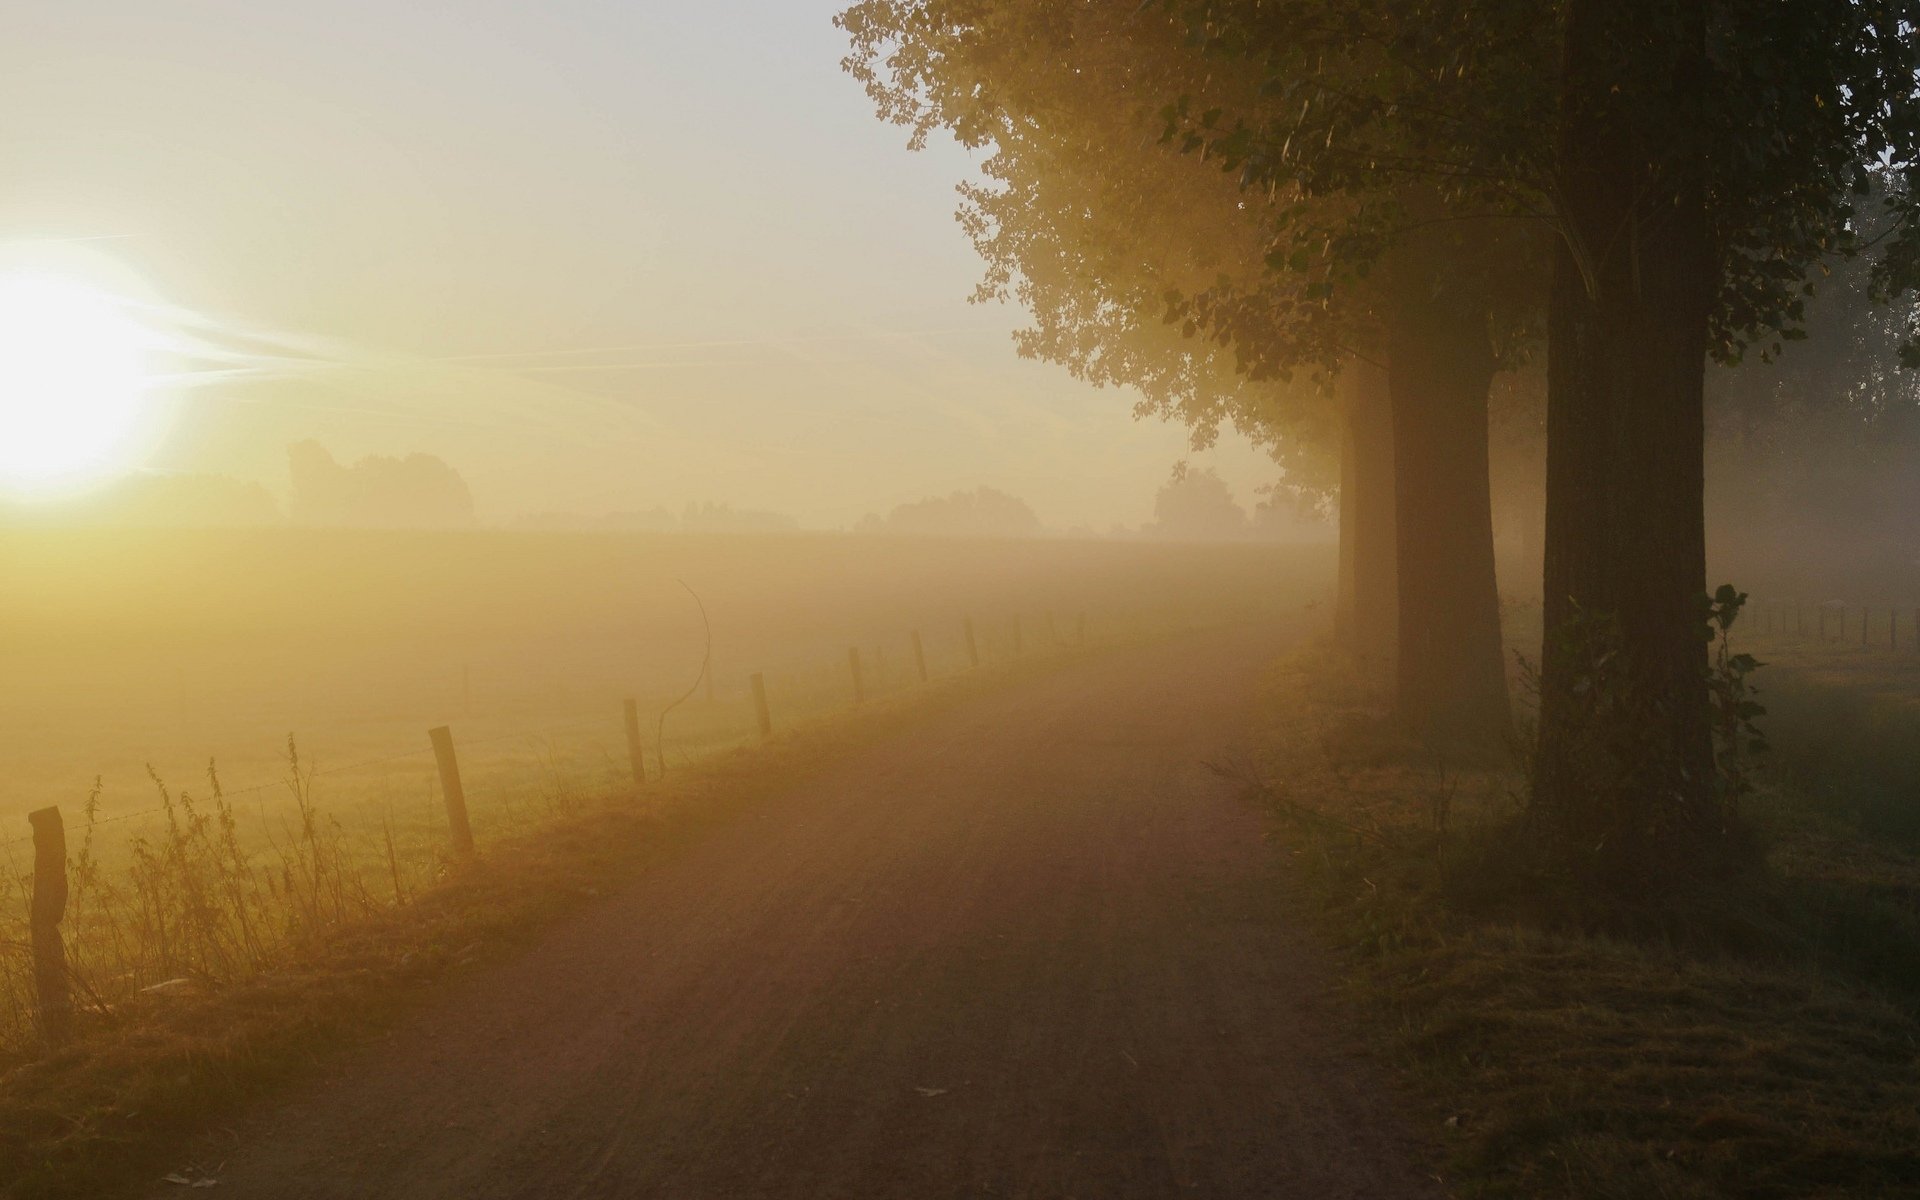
pixel 234 724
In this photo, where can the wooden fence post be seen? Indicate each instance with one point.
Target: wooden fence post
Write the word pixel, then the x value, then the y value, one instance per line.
pixel 973 646
pixel 859 684
pixel 760 710
pixel 1866 627
pixel 1080 630
pixel 1018 647
pixel 1053 632
pixel 709 674
pixel 636 748
pixel 52 989
pixel 450 789
pixel 919 657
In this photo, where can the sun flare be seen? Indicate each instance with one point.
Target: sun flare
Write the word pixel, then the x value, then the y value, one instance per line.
pixel 74 382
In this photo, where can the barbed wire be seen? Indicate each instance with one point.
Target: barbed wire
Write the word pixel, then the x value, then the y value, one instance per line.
pixel 548 731
pixel 225 793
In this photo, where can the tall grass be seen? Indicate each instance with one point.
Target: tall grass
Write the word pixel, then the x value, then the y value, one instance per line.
pixel 207 888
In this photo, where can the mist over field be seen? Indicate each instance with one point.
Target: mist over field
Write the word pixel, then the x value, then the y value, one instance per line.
pixel 174 648
pixel 921 598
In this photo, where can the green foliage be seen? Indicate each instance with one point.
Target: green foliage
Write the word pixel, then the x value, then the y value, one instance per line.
pixel 1139 266
pixel 1736 708
pixel 1794 111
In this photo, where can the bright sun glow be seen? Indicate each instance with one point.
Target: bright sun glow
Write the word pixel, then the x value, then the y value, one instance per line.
pixel 74 385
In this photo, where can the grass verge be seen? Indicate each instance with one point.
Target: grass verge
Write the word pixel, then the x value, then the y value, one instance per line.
pixel 120 1106
pixel 1758 1040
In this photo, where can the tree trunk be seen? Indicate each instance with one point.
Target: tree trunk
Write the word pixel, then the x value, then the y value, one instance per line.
pixel 1625 763
pixel 1366 620
pixel 1451 678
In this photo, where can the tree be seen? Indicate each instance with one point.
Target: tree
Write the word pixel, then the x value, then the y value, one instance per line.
pixel 711 517
pixel 1198 506
pixel 985 512
pixel 416 492
pixel 1679 166
pixel 1704 165
pixel 1144 267
pixel 1693 160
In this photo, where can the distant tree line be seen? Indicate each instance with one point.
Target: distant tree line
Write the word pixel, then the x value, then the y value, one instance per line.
pixel 984 512
pixel 377 492
pixel 705 517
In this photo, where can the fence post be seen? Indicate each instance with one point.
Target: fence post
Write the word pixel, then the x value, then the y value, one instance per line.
pixel 709 674
pixel 1866 628
pixel 53 990
pixel 1080 630
pixel 456 796
pixel 1018 647
pixel 1053 632
pixel 859 684
pixel 973 646
pixel 919 657
pixel 636 749
pixel 760 710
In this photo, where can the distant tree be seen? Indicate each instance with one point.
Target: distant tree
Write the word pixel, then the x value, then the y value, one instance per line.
pixel 1198 506
pixel 724 518
pixel 416 492
pixel 981 513
pixel 653 520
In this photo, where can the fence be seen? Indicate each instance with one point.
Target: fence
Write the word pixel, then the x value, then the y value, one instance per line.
pixel 1836 622
pixel 213 889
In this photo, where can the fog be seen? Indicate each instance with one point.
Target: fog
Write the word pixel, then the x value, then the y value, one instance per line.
pixel 598 259
pixel 802 598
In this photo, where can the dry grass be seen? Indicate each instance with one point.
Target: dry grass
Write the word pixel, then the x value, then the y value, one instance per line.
pixel 1758 1040
pixel 203 867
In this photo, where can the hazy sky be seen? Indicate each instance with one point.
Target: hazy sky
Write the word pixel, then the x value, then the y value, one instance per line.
pixel 598 255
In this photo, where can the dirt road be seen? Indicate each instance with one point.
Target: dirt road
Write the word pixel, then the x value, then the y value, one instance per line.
pixel 1029 949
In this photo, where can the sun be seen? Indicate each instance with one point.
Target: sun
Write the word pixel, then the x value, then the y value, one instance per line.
pixel 75 390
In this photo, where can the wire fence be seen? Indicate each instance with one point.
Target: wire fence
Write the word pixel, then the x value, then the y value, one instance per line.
pixel 212 884
pixel 1837 624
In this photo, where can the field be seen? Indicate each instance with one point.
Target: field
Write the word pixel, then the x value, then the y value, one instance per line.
pixel 303 670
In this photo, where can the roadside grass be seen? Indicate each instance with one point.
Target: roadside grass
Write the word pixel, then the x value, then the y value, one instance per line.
pixel 1758 1039
pixel 128 1099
